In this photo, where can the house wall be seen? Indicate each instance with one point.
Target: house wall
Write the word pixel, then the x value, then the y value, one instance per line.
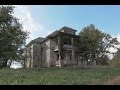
pixel 53 55
pixel 43 55
pixel 36 55
pixel 40 55
pixel 67 59
pixel 46 53
pixel 30 56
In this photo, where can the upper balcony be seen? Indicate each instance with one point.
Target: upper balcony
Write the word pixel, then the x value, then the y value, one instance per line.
pixel 65 46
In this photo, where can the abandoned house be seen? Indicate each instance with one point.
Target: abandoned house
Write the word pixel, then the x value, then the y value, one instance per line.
pixel 57 49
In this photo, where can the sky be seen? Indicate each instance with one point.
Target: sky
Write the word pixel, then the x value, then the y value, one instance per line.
pixel 41 20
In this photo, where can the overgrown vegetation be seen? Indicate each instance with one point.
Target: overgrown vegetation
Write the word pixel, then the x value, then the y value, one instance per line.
pixel 58 76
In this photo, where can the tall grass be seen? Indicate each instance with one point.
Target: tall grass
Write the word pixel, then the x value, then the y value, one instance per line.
pixel 58 76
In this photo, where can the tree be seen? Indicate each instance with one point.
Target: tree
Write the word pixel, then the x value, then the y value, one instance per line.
pixel 116 59
pixel 94 44
pixel 89 42
pixel 107 42
pixel 12 37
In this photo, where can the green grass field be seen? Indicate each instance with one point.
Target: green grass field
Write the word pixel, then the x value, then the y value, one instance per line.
pixel 59 76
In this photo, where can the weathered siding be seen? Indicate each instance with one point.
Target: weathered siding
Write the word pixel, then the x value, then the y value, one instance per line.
pixel 52 53
pixel 36 55
pixel 47 55
pixel 30 56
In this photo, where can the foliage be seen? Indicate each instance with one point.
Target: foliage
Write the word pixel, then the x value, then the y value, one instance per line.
pixel 95 45
pixel 12 37
pixel 116 59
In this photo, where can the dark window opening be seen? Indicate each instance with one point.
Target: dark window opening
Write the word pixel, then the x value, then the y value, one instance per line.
pixel 70 57
pixel 57 56
pixel 38 60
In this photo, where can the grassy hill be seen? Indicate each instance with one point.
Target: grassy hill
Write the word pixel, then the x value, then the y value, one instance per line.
pixel 60 76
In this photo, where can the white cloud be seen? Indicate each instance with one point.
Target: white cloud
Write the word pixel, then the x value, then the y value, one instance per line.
pixel 29 24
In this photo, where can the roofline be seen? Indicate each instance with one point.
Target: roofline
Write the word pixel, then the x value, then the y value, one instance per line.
pixel 68 28
pixel 29 44
pixel 32 41
pixel 48 37
pixel 57 34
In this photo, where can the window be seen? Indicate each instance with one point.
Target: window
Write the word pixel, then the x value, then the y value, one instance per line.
pixel 70 57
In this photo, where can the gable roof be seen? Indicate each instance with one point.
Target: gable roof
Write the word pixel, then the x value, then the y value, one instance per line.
pixel 37 40
pixel 56 32
pixel 67 28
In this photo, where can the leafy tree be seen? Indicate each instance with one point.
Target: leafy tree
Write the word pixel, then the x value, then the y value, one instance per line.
pixel 12 37
pixel 94 44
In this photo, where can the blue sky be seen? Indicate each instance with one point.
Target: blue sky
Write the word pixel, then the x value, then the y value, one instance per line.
pixel 41 20
pixel 48 18
pixel 77 16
